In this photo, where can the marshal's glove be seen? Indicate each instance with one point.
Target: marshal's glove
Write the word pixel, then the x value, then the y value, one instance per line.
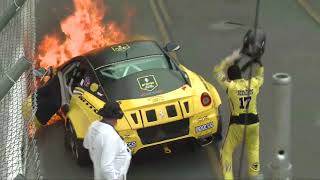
pixel 234 57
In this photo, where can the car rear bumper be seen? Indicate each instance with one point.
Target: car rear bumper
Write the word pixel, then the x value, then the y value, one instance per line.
pixel 200 126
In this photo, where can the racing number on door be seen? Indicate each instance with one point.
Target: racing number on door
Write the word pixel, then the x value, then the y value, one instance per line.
pixel 244 102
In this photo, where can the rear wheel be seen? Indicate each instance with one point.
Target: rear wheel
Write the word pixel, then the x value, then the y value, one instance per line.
pixel 205 141
pixel 78 151
pixel 215 138
pixel 194 145
pixel 218 135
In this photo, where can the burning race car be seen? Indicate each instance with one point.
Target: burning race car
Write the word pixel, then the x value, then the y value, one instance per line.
pixel 162 100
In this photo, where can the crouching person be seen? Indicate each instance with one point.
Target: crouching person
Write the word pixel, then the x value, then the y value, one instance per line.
pixel 109 153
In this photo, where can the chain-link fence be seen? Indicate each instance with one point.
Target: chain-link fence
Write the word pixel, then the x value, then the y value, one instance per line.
pixel 18 149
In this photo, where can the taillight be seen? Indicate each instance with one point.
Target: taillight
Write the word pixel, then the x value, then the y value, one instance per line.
pixel 205 99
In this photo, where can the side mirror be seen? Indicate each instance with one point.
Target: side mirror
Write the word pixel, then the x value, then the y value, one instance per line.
pixel 39 72
pixel 170 47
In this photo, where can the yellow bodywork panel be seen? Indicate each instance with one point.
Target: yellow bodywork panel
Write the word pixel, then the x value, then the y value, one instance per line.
pixel 197 80
pixel 82 112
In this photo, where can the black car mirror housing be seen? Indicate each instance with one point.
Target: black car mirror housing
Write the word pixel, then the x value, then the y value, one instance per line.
pixel 170 47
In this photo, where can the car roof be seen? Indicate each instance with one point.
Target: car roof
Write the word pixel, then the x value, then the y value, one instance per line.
pixel 121 52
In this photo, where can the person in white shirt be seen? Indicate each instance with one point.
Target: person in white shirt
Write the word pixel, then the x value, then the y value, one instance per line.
pixel 109 153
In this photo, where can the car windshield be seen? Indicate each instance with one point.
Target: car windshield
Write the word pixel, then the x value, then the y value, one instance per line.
pixel 126 68
pixel 140 77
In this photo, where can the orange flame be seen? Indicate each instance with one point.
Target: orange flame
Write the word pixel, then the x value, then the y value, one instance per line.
pixel 84 31
pixel 31 129
pixel 55 118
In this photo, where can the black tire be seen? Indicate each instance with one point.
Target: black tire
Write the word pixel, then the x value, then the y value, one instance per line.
pixel 67 136
pixel 218 135
pixel 78 151
pixel 194 145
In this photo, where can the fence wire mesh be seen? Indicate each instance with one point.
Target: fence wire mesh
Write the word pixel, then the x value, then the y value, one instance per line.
pixel 18 150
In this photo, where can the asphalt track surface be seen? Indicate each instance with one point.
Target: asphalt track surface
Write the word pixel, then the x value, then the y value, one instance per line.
pixel 292 46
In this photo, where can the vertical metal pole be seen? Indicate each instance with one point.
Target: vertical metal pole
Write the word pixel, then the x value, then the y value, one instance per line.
pixel 256 20
pixel 280 166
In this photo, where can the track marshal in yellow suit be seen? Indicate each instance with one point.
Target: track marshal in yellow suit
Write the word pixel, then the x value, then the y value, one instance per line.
pixel 243 104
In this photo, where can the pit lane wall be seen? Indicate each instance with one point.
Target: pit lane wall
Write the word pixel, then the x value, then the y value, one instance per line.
pixel 18 148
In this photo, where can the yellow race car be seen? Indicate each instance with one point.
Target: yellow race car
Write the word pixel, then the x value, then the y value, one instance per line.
pixel 162 100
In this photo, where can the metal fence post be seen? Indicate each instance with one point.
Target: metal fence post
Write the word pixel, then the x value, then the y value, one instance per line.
pixel 13 75
pixel 280 166
pixel 11 11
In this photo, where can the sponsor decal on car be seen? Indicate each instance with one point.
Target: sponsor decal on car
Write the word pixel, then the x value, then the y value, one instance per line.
pixel 99 93
pixel 156 99
pixel 203 118
pixel 151 93
pixel 81 82
pixel 94 87
pixel 87 81
pixel 147 83
pixel 131 144
pixel 204 127
pixel 120 48
pixel 161 114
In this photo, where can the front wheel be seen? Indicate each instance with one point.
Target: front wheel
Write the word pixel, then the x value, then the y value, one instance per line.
pixel 67 137
pixel 76 145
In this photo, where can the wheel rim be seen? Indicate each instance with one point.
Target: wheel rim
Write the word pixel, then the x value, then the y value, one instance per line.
pixel 76 152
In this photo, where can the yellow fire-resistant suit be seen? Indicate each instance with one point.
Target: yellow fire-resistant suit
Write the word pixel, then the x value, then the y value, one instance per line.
pixel 240 98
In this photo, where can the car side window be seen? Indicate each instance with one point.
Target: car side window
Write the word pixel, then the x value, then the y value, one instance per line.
pixel 89 81
pixel 70 76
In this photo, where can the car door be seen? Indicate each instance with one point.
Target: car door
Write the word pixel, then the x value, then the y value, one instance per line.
pixel 56 92
pixel 70 77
